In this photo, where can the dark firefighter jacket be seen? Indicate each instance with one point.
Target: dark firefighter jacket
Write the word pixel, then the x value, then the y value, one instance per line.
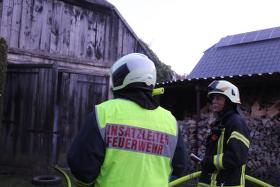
pixel 87 152
pixel 226 152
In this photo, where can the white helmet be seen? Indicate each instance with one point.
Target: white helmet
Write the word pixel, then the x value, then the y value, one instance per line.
pixel 133 68
pixel 225 88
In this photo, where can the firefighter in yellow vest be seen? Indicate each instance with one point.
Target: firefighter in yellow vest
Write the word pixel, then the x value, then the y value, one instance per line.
pixel 128 141
pixel 229 141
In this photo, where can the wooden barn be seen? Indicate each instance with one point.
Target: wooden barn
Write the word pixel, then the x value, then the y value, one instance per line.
pixel 59 55
pixel 252 62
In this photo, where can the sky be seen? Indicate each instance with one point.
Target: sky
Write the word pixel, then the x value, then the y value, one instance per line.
pixel 179 31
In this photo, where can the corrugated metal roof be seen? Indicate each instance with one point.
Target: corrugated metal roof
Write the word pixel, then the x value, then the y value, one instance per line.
pixel 189 80
pixel 249 53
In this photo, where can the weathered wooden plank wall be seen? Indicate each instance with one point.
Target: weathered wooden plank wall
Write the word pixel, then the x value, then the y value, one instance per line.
pixel 57 27
pixel 42 115
pixel 27 117
pixel 81 92
pixel 60 52
pixel 126 41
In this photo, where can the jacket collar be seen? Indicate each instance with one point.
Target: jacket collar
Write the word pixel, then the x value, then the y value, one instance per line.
pixel 142 97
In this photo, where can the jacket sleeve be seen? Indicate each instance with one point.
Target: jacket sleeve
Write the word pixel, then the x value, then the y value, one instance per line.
pixel 179 163
pixel 87 152
pixel 237 146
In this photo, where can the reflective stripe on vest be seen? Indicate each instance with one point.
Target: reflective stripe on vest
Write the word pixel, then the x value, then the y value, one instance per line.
pixel 139 140
pixel 140 144
pixel 218 159
pixel 220 148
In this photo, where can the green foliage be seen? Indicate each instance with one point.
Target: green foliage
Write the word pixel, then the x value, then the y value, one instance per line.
pixel 164 72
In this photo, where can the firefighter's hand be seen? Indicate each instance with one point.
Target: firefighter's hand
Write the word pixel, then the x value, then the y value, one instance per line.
pixel 207 165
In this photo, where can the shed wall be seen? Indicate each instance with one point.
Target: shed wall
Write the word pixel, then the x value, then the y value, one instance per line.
pixel 43 110
pixel 59 57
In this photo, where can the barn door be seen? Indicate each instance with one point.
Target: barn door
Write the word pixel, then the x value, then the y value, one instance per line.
pixel 25 133
pixel 76 97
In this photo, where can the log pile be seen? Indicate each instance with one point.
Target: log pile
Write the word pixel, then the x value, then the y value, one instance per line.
pixel 264 153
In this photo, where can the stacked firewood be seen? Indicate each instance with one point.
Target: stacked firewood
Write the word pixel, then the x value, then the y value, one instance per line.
pixel 264 153
pixel 194 133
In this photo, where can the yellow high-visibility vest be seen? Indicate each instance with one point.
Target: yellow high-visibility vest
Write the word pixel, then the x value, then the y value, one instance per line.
pixel 140 144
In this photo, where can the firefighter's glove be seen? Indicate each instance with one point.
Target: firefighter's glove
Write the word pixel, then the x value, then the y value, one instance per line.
pixel 207 165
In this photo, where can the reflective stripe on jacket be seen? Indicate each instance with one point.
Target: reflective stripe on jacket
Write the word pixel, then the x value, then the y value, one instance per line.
pixel 140 144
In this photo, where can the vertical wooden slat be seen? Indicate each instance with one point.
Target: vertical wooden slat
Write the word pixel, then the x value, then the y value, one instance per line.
pixel 90 35
pixel 49 115
pixel 25 114
pixel 76 100
pixel 124 44
pixel 63 37
pixel 82 33
pixel 16 21
pixel 66 29
pixel 114 40
pixel 126 37
pixel 85 93
pixel 33 113
pixel 38 127
pixel 71 97
pixel 100 37
pixel 25 28
pixel 120 39
pixel 56 81
pixel 55 44
pixel 128 42
pixel 131 43
pixel 46 25
pixel 66 116
pixel 108 40
pixel 36 25
pixel 78 30
pixel 36 137
pixel 72 33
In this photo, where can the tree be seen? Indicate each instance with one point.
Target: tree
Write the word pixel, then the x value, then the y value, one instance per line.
pixel 164 72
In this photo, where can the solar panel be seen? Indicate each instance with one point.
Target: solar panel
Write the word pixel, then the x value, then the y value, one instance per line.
pixel 224 41
pixel 250 37
pixel 264 34
pixel 276 32
pixel 237 39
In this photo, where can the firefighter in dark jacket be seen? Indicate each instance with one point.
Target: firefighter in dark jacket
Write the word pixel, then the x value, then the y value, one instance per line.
pixel 129 140
pixel 229 141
